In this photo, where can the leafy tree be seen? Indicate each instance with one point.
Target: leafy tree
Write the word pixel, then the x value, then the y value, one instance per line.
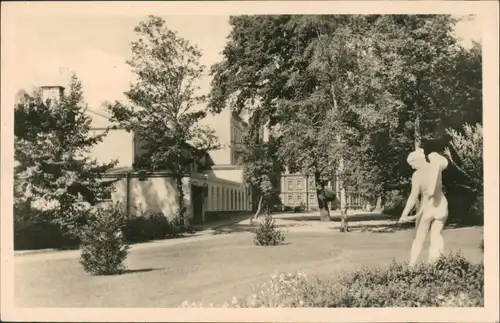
pixel 266 64
pixel 53 172
pixel 358 91
pixel 165 103
pixel 407 79
pixel 261 169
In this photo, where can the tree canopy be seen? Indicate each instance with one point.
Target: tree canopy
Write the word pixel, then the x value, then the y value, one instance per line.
pixel 53 170
pixel 357 90
pixel 165 104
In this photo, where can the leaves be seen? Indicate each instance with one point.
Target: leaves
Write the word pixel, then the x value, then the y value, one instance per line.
pixel 53 171
pixel 165 107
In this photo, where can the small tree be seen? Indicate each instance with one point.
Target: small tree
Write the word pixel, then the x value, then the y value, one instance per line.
pixel 267 234
pixel 53 172
pixel 103 247
pixel 164 112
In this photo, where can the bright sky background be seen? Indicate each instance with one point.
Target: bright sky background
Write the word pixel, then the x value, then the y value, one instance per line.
pixel 47 49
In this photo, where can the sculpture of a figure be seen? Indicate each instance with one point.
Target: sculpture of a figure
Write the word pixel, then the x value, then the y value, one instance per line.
pixel 433 211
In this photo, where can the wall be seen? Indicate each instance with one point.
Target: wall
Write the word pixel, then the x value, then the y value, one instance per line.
pixel 297 189
pixel 52 93
pixel 220 123
pixel 226 194
pixel 117 144
pixel 155 194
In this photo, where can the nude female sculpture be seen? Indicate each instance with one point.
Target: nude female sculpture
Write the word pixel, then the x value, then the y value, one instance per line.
pixel 433 212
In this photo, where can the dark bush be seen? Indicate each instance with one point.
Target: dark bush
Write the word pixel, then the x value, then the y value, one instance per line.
pixel 33 231
pixel 335 205
pixel 300 208
pixel 267 234
pixel 148 226
pixel 103 247
pixel 395 204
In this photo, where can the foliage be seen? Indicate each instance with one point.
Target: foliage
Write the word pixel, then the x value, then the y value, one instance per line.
pixel 267 234
pixel 463 179
pixel 148 226
pixel 468 148
pixel 165 113
pixel 32 231
pixel 450 281
pixel 354 90
pixel 53 173
pixel 103 247
pixel 262 169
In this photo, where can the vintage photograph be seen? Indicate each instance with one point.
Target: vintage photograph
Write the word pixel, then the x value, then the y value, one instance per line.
pixel 248 161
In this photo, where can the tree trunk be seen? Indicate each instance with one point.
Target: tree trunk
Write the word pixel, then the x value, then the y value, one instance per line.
pixel 324 212
pixel 182 209
pixel 380 204
pixel 418 135
pixel 259 206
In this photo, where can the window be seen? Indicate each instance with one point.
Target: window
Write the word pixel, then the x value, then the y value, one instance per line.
pixel 312 198
pixel 299 198
pixel 311 184
pixel 290 185
pixel 290 199
pixel 299 185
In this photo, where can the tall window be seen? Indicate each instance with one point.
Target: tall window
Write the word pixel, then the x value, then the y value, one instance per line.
pixel 290 199
pixel 312 198
pixel 299 185
pixel 290 185
pixel 299 198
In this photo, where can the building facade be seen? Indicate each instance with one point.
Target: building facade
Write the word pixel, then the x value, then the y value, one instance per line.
pixel 299 191
pixel 212 189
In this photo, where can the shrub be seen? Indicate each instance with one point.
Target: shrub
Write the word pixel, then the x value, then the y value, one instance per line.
pixel 449 281
pixel 394 204
pixel 300 208
pixel 147 226
pixel 34 230
pixel 103 247
pixel 267 234
pixel 465 176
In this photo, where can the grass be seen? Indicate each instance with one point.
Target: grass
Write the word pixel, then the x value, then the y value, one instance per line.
pixel 213 270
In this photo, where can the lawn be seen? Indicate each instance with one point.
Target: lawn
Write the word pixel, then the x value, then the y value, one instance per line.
pixel 213 270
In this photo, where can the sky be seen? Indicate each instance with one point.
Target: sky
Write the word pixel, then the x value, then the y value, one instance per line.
pixel 49 49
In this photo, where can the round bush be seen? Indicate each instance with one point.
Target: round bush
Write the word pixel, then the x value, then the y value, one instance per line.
pixel 267 234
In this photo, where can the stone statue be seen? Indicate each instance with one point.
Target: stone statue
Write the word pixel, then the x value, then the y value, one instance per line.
pixel 433 211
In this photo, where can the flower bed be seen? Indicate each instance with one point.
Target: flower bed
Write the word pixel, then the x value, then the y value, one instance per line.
pixel 451 281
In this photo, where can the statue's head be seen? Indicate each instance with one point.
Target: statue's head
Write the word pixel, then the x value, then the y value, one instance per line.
pixel 416 159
